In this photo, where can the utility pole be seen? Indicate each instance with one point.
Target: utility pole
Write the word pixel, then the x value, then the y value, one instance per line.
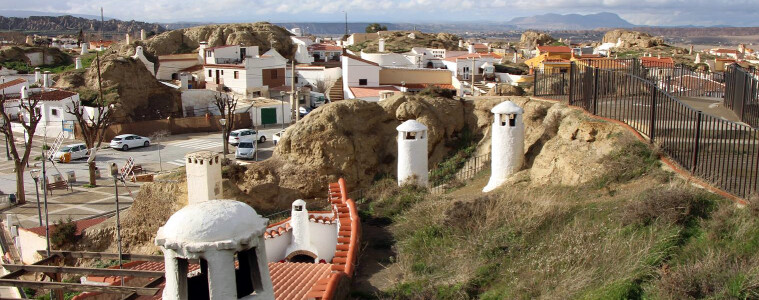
pixel 346 22
pixel 102 20
pixel 293 101
pixel 473 60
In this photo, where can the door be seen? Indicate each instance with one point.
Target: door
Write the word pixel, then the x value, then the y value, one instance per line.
pixel 79 152
pixel 217 77
pixel 268 116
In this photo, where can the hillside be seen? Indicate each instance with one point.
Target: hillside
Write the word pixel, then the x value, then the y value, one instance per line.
pixel 620 227
pixel 403 41
pixel 570 22
pixel 72 25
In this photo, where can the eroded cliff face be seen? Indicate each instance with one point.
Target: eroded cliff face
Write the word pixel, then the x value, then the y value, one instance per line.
pixel 632 39
pixel 356 140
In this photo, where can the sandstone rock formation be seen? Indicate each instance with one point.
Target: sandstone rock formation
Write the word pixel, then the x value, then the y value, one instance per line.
pixel 399 41
pixel 534 38
pixel 632 39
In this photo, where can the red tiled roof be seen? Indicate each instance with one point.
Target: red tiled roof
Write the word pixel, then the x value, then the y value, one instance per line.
pixel 473 55
pixel 222 66
pixel 423 85
pixel 11 83
pixel 555 49
pixel 219 47
pixel 99 43
pixel 656 62
pixel 324 47
pixel 726 51
pixel 80 226
pixel 360 59
pixel 361 92
pixel 480 46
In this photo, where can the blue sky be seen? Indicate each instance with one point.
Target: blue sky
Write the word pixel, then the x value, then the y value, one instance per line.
pixel 642 12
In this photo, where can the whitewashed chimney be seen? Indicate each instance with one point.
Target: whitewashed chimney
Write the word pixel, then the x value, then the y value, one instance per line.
pixel 142 35
pixel 507 143
pixel 203 176
pixel 37 75
pixel 46 79
pixel 412 153
pixel 128 38
pixel 658 55
pixel 24 92
pixel 184 80
pixel 514 60
pixel 690 51
pixel 698 58
pixel 471 48
pixel 301 239
pixel 461 43
pixel 381 45
pixel 202 46
pixel 218 233
pixel 78 64
pixel 85 48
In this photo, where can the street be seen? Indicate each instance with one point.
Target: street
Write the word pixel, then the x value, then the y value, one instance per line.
pixel 86 202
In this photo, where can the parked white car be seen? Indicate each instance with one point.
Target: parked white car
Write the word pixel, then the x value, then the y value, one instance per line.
pixel 244 135
pixel 128 141
pixel 74 151
pixel 277 136
pixel 246 150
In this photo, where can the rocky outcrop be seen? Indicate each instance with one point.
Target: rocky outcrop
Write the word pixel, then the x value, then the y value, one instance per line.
pixel 127 82
pixel 186 40
pixel 632 39
pixel 18 54
pixel 403 41
pixel 534 38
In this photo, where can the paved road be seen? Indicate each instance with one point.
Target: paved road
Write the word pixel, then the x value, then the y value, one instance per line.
pixel 84 202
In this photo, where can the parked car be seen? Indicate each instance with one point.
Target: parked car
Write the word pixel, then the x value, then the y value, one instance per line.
pixel 303 111
pixel 128 141
pixel 277 136
pixel 246 150
pixel 71 152
pixel 243 135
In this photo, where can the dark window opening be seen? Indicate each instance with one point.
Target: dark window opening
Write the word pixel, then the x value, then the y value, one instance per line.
pixel 410 135
pixel 298 208
pixel 197 286
pixel 362 82
pixel 302 258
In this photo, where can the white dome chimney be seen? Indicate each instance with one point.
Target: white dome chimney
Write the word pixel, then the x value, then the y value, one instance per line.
pixel 461 43
pixel 128 38
pixel 142 35
pixel 85 48
pixel 37 75
pixel 301 241
pixel 381 45
pixel 78 63
pixel 412 153
pixel 507 143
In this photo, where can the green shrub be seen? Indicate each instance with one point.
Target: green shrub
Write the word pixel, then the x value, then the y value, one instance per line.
pixel 64 234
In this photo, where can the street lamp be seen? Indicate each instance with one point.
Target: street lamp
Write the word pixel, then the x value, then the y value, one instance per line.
pixel 223 123
pixel 7 146
pixel 115 175
pixel 36 176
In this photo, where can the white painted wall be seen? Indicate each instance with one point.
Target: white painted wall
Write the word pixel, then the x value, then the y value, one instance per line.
pixel 507 146
pixel 203 177
pixel 412 156
pixel 28 245
pixel 255 113
pixel 35 59
pixel 276 246
pixel 324 238
pixel 15 89
pixel 354 70
pixel 198 100
pixel 390 60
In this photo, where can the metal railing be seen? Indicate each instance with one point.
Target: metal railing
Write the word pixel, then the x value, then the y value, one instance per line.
pixel 723 153
pixel 742 93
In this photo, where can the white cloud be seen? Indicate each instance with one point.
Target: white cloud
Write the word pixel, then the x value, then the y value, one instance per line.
pixel 647 12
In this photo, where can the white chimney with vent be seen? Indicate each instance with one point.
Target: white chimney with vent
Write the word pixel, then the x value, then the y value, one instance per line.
pixel 202 51
pixel 461 43
pixel 698 58
pixel 142 35
pixel 85 48
pixel 128 39
pixel 412 153
pixel 203 176
pixel 381 45
pixel 471 48
pixel 78 63
pixel 301 240
pixel 46 79
pixel 507 143
pixel 37 75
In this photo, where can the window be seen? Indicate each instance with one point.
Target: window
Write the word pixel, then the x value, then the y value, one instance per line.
pixel 237 75
pixel 222 72
pixel 210 73
pixel 362 82
pixel 274 74
pixel 54 112
pixel 209 53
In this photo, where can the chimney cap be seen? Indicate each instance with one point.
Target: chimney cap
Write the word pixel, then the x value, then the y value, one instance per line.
pixel 507 108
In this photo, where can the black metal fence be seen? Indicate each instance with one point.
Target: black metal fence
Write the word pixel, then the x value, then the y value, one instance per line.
pixel 742 94
pixel 721 152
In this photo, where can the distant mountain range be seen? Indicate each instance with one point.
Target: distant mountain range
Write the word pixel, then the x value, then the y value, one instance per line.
pixel 9 13
pixel 570 22
pixel 71 25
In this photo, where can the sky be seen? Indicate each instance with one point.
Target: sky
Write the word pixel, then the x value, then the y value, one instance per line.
pixel 640 12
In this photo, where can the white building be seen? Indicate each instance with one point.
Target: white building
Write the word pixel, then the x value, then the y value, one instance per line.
pixel 243 71
pixel 12 86
pixel 53 104
pixel 477 64
pixel 507 143
pixel 325 52
pixel 412 153
pixel 396 60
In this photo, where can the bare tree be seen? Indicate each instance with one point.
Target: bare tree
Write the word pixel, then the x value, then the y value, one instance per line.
pixel 157 137
pixel 320 86
pixel 29 116
pixel 93 125
pixel 226 103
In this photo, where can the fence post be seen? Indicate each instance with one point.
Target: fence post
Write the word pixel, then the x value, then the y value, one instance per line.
pixel 571 82
pixel 535 82
pixel 668 87
pixel 744 95
pixel 697 139
pixel 652 126
pixel 681 90
pixel 595 90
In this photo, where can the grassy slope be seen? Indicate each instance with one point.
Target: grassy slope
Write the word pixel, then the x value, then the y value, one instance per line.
pixel 635 232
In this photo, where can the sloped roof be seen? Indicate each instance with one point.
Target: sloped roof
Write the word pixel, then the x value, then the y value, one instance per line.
pixel 324 47
pixel 11 83
pixel 360 59
pixel 655 61
pixel 473 55
pixel 555 49
pixel 362 92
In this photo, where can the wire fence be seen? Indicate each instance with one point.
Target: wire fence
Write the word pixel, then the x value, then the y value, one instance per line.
pixel 721 152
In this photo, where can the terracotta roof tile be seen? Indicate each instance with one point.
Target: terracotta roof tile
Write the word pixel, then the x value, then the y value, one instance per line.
pixel 11 83
pixel 80 226
pixel 324 47
pixel 361 92
pixel 657 62
pixel 473 55
pixel 555 49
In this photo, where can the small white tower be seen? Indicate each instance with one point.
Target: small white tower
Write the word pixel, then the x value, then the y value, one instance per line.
pixel 142 35
pixel 46 79
pixel 471 48
pixel 698 58
pixel 202 51
pixel 381 45
pixel 461 43
pixel 85 48
pixel 37 75
pixel 220 233
pixel 301 242
pixel 412 153
pixel 128 38
pixel 24 92
pixel 203 176
pixel 78 64
pixel 507 143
